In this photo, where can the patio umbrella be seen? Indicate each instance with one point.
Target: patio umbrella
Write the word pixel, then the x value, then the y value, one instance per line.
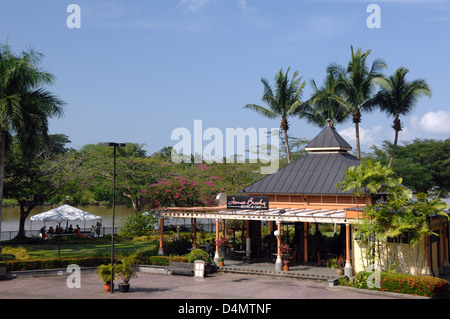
pixel 64 213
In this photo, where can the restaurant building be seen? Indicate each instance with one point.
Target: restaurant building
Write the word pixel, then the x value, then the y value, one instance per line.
pixel 303 194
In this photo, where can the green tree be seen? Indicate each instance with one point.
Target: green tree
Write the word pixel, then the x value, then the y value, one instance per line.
pixel 357 83
pixel 398 97
pixel 32 182
pixel 139 224
pixel 283 101
pixel 25 103
pixel 367 179
pixel 424 164
pixel 326 103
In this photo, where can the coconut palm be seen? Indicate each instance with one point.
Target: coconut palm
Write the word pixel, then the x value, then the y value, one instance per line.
pixel 357 82
pixel 25 105
pixel 283 101
pixel 325 103
pixel 398 97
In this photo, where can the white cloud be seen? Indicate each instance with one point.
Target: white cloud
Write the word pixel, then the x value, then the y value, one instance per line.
pixel 243 4
pixel 435 122
pixel 367 137
pixel 193 5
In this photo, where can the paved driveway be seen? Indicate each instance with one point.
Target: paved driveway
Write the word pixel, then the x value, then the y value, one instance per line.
pixel 157 286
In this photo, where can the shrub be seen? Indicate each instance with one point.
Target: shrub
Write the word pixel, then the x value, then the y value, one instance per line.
pixel 19 253
pixel 415 285
pixel 139 224
pixel 178 247
pixel 198 254
pixel 164 260
pixel 36 264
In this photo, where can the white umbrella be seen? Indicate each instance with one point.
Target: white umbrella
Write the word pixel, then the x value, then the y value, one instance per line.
pixel 64 213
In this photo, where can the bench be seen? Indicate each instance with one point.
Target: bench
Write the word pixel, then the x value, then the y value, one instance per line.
pixel 179 268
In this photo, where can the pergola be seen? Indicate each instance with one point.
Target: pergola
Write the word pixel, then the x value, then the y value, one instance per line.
pixel 278 215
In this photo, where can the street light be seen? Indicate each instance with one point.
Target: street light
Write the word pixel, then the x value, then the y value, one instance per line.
pixel 115 145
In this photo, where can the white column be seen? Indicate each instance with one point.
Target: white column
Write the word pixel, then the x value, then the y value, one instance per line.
pixel 278 262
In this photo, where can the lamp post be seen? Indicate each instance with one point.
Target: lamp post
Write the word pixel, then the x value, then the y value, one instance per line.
pixel 115 145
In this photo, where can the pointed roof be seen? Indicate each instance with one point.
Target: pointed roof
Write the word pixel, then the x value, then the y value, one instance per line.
pixel 318 172
pixel 328 140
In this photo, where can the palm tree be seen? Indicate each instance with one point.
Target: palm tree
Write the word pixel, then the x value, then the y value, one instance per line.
pixel 398 97
pixel 357 82
pixel 25 105
pixel 283 102
pixel 325 103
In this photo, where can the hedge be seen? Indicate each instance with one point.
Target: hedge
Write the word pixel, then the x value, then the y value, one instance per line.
pixel 52 263
pixel 408 284
pixel 36 264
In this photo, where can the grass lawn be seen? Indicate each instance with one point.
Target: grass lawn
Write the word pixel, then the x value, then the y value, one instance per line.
pixel 86 249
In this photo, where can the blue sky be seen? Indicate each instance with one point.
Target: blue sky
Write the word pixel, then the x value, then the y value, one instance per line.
pixel 137 70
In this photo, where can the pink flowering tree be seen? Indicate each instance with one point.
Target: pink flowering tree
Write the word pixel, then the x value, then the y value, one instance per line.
pixel 180 192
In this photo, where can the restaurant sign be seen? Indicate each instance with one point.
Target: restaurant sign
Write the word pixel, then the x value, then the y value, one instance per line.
pixel 248 202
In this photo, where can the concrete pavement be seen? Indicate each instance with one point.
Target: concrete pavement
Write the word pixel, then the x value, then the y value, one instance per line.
pixel 158 286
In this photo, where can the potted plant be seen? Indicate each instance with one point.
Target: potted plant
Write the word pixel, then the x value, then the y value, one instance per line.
pixel 221 262
pixel 124 270
pixel 222 243
pixel 104 274
pixel 285 249
pixel 337 263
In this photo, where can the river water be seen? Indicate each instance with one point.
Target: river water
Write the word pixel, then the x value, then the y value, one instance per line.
pixel 10 217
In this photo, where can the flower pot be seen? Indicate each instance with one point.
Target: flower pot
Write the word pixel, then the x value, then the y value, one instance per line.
pixel 123 287
pixel 285 265
pixel 107 287
pixel 221 264
pixel 340 271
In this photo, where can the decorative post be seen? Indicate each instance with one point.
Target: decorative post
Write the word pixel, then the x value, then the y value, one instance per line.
pixel 277 233
pixel 348 269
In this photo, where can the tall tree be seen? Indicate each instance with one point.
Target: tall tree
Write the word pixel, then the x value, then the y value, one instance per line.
pixel 25 103
pixel 283 101
pixel 357 82
pixel 326 103
pixel 398 97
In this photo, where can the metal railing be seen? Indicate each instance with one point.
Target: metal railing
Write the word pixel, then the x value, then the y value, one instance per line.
pixel 9 235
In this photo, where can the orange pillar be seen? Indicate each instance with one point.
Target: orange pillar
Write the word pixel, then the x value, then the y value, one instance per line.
pixel 216 255
pixel 161 232
pixel 348 269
